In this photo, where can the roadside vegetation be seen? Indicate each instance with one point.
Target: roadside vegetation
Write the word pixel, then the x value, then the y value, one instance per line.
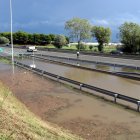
pixel 81 31
pixel 4 60
pixel 4 40
pixel 130 37
pixel 18 123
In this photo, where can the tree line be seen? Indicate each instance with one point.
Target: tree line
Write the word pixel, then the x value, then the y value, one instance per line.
pixel 80 30
pixel 24 38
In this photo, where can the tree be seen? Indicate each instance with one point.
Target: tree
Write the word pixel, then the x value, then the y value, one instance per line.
pixel 48 39
pixel 6 34
pixel 30 39
pixel 4 40
pixel 52 36
pixel 60 41
pixel 79 29
pixel 102 35
pixel 130 37
pixel 20 37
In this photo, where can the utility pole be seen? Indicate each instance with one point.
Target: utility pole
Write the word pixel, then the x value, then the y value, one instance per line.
pixel 11 17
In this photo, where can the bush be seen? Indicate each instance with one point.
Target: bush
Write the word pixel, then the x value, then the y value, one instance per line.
pixel 91 47
pixel 60 41
pixel 95 50
pixel 4 40
pixel 81 46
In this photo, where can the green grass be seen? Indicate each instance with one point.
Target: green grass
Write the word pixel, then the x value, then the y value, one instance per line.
pixel 17 122
pixel 108 49
pixel 4 60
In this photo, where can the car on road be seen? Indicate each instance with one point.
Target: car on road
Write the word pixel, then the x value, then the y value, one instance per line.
pixel 31 49
pixel 117 52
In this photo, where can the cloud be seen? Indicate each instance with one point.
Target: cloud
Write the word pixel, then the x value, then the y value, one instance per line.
pixel 116 20
pixel 100 22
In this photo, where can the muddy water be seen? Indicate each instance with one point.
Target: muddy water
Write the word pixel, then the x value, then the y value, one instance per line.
pixel 83 115
pixel 99 66
pixel 113 83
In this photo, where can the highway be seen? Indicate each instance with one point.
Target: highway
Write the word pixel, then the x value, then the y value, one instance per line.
pixel 111 60
pixel 105 81
pixel 91 65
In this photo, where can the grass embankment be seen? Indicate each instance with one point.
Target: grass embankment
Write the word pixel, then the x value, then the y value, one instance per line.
pixel 4 60
pixel 18 123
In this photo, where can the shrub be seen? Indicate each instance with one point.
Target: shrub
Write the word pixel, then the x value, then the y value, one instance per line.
pixel 4 40
pixel 91 47
pixel 81 46
pixel 60 41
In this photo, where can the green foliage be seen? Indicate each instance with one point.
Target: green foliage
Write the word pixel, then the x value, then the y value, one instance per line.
pixel 6 34
pixel 81 46
pixel 60 41
pixel 4 40
pixel 48 39
pixel 52 36
pixel 102 35
pixel 79 29
pixel 91 47
pixel 21 37
pixel 130 37
pixel 67 38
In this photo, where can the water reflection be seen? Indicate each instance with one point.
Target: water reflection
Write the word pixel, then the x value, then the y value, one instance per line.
pixel 106 81
pixel 33 65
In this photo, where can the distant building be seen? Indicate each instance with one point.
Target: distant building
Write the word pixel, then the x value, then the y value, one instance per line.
pixel 96 44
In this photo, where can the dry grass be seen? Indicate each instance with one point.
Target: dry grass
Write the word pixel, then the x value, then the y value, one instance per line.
pixel 18 123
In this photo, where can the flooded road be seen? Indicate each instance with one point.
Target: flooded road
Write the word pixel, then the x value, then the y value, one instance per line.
pixel 84 115
pixel 97 65
pixel 113 83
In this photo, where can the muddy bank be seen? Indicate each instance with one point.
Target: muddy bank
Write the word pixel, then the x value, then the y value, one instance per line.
pixel 84 115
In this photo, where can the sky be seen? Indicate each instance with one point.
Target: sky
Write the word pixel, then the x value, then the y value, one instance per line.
pixel 49 16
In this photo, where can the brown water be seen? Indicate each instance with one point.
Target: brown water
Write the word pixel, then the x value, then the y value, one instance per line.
pixel 99 66
pixel 106 81
pixel 83 114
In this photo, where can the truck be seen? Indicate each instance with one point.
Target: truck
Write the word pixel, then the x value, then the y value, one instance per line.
pixel 31 49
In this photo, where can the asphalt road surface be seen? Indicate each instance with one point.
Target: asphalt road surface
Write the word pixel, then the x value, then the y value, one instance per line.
pixel 122 61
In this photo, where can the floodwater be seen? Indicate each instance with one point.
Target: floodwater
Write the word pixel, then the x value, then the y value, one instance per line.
pixel 82 114
pixel 97 65
pixel 106 81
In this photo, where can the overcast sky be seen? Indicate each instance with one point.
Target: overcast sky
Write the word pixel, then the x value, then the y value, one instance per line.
pixel 49 16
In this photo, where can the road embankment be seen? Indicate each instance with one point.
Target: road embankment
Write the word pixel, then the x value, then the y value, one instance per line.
pixel 17 122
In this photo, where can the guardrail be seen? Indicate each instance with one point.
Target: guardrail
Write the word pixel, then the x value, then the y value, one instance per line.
pixel 83 85
pixel 125 56
pixel 92 62
pixel 133 76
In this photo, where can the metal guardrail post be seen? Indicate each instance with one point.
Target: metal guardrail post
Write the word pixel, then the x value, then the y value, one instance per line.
pixel 115 98
pixel 58 78
pixel 81 86
pixel 106 92
pixel 138 106
pixel 114 66
pixel 42 72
